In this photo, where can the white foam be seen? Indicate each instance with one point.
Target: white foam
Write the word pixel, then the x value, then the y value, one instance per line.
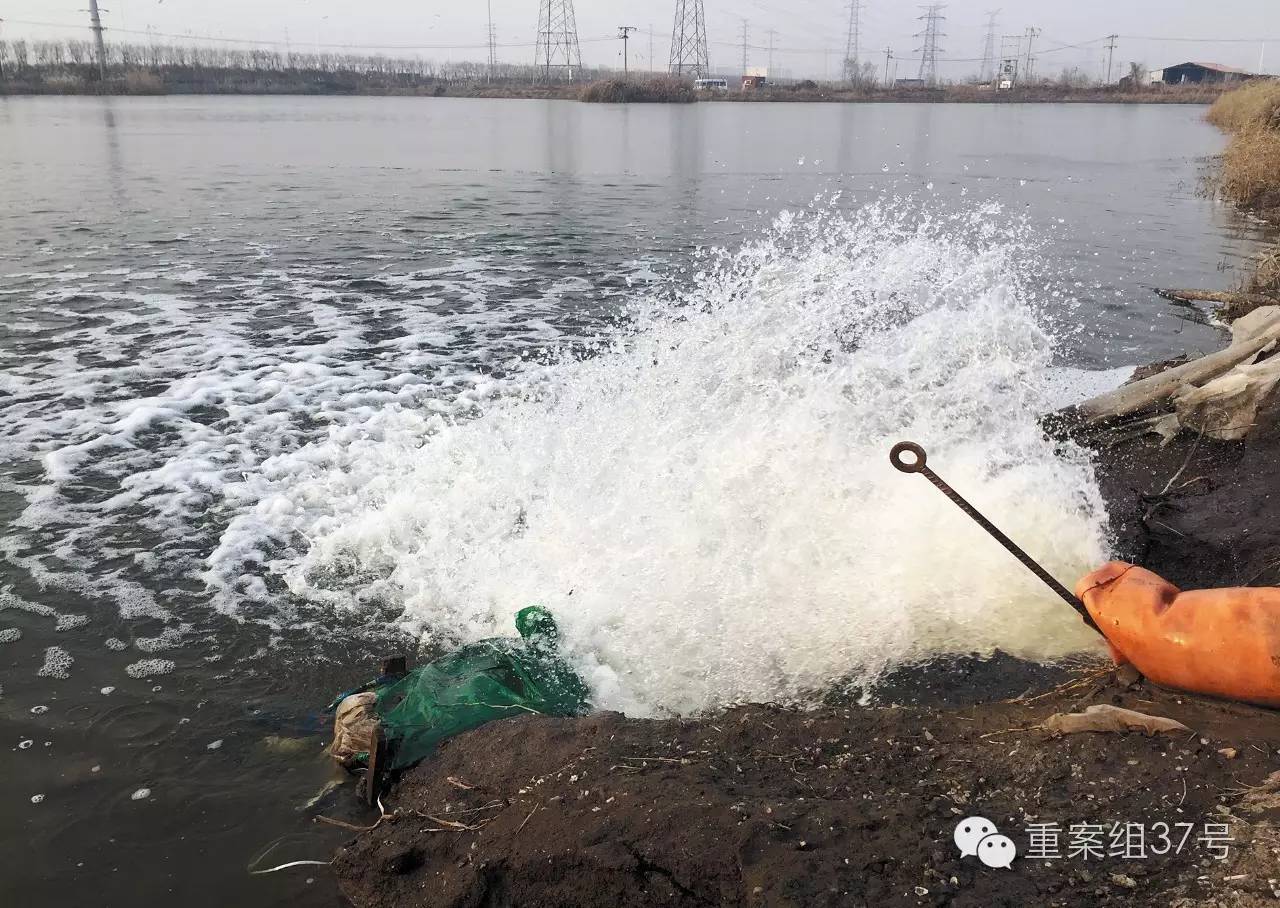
pixel 57 664
pixel 706 503
pixel 703 496
pixel 150 668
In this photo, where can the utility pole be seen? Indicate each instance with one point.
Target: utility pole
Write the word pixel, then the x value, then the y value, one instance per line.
pixel 651 67
pixel 96 26
pixel 933 20
pixel 557 46
pixel 1030 69
pixel 493 45
pixel 689 40
pixel 773 33
pixel 853 40
pixel 988 73
pixel 888 55
pixel 624 32
pixel 1111 54
pixel 746 59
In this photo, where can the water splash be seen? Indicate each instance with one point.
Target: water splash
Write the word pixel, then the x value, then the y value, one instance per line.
pixel 704 498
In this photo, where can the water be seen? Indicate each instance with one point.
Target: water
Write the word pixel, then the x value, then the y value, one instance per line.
pixel 288 381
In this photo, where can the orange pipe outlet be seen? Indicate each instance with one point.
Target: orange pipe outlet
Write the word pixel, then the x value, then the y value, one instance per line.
pixel 1224 643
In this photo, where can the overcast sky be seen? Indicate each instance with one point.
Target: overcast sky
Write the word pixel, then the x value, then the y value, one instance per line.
pixel 809 40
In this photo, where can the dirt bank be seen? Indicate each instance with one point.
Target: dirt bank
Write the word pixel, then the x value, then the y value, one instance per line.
pixel 854 805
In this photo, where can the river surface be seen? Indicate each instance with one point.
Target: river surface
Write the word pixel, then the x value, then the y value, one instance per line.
pixel 288 384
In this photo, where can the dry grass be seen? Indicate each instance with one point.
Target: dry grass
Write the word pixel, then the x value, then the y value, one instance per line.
pixel 1249 176
pixel 1251 168
pixel 1255 105
pixel 1266 279
pixel 649 91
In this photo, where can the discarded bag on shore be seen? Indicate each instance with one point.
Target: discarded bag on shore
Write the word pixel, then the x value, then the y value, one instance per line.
pixel 1224 643
pixel 469 687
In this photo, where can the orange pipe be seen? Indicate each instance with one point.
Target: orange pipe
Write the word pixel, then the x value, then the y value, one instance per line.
pixel 1224 643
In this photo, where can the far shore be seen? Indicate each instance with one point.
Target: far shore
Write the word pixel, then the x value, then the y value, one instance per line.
pixel 187 82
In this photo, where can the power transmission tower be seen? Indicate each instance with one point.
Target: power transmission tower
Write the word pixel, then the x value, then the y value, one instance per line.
pixel 624 32
pixel 1 55
pixel 96 26
pixel 888 55
pixel 689 40
pixel 932 33
pixel 558 40
pixel 493 44
pixel 1111 54
pixel 651 67
pixel 852 44
pixel 773 33
pixel 746 58
pixel 1029 70
pixel 989 49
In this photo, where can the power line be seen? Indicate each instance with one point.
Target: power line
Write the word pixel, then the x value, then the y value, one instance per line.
pixel 151 33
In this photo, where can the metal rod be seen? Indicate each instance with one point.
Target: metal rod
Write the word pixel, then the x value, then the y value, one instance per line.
pixel 920 465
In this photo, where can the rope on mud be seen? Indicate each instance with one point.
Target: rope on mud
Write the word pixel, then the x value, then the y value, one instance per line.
pixel 291 864
pixel 272 847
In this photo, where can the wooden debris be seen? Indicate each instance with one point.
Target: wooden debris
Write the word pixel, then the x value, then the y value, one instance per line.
pixel 1106 718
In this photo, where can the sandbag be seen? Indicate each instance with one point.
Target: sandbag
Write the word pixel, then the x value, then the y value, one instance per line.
pixel 1224 643
pixel 353 726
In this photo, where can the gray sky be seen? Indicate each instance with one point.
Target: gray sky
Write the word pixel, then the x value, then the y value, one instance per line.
pixel 809 41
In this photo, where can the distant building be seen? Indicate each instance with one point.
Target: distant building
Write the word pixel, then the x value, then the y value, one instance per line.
pixel 1197 73
pixel 755 78
pixel 911 83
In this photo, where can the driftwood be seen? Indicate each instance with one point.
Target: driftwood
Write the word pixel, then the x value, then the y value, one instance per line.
pixel 1223 297
pixel 1107 718
pixel 1251 335
pixel 1227 407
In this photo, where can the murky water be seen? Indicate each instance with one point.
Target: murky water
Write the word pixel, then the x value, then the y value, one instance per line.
pixel 286 380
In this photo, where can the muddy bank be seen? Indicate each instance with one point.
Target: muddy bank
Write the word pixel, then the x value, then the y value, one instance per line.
pixel 853 805
pixel 762 806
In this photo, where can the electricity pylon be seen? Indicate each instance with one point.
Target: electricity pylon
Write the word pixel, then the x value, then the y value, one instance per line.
pixel 852 45
pixel 689 55
pixel 932 33
pixel 558 54
pixel 988 72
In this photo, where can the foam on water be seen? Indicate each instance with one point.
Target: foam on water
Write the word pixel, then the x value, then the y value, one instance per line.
pixel 705 501
pixel 701 491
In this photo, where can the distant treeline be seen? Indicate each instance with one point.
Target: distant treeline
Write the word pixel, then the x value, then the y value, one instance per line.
pixel 70 67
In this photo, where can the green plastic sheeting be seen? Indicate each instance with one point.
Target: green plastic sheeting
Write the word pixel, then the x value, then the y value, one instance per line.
pixel 478 684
